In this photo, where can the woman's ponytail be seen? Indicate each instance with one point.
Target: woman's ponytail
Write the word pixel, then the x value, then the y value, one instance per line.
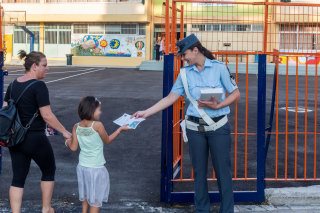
pixel 22 54
pixel 29 59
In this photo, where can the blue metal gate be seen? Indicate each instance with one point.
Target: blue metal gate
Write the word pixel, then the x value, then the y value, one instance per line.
pixel 170 168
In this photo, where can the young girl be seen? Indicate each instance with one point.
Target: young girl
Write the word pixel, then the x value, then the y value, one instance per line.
pixel 90 134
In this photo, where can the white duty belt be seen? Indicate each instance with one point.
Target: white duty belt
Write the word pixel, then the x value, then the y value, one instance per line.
pixel 186 124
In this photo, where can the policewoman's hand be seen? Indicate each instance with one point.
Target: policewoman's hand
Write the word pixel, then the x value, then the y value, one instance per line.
pixel 140 114
pixel 212 103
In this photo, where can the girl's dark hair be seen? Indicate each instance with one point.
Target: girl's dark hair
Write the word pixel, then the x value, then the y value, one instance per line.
pixel 203 50
pixel 31 58
pixel 87 107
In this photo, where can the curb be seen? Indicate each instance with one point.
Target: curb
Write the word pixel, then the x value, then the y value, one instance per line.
pixel 294 196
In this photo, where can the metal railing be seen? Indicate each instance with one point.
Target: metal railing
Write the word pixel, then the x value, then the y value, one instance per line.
pixel 73 1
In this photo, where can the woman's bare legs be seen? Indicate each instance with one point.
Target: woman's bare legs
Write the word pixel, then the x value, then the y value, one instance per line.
pixel 15 194
pixel 47 191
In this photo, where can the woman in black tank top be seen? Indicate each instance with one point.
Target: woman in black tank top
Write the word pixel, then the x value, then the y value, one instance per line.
pixel 36 145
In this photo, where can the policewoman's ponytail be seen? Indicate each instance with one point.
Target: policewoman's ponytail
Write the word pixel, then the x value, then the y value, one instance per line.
pixel 203 50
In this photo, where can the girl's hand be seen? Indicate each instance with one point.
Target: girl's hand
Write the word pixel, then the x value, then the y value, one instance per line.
pixel 212 103
pixel 124 128
pixel 68 142
pixel 140 114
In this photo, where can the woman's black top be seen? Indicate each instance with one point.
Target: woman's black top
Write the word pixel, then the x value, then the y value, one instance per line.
pixel 35 97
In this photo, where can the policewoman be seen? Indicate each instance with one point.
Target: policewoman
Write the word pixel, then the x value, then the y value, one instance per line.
pixel 206 124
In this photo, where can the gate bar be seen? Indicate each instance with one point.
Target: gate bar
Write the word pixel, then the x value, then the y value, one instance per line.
pixel 261 119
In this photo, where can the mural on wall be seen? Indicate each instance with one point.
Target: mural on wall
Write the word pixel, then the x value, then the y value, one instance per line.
pixel 108 45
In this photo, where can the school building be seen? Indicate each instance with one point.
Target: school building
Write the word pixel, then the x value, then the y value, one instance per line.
pixel 98 32
pixel 123 32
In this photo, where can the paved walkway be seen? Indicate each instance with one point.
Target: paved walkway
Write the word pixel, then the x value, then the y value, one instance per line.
pixel 136 206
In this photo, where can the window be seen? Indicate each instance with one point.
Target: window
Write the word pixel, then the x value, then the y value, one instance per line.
pixel 113 29
pixel 243 27
pixel 19 37
pixel 257 27
pixel 57 34
pixel 51 27
pixel 199 27
pixel 80 28
pixel 306 41
pixel 288 27
pixel 142 29
pixel 36 37
pixel 65 37
pixel 299 37
pixel 227 27
pixel 65 27
pixel 128 29
pixel 96 29
pixel 51 37
pixel 213 27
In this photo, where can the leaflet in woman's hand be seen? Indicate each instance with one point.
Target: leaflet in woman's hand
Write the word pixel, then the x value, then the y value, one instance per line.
pixel 126 119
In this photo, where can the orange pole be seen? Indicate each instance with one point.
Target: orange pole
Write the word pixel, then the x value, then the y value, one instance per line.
pixel 315 123
pixel 277 120
pixel 287 105
pixel 246 120
pixel 174 27
pixel 181 22
pixel 167 27
pixel 296 122
pixel 305 122
pixel 236 125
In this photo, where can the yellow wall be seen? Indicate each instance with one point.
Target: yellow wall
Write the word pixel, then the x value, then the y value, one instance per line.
pixel 106 61
pixel 8 39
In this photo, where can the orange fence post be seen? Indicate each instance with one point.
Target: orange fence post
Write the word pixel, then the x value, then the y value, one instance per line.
pixel 174 27
pixel 181 23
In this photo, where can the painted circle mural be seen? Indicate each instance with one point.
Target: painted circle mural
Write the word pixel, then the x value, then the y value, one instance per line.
pixel 139 45
pixel 114 43
pixel 103 43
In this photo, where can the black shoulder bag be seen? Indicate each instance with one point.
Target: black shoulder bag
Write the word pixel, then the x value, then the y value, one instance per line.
pixel 12 132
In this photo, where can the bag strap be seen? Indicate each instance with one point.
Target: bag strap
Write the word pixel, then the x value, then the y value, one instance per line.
pixel 35 115
pixel 25 89
pixel 32 119
pixel 202 113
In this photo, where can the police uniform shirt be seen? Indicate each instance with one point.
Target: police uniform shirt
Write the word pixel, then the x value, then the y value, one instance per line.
pixel 214 75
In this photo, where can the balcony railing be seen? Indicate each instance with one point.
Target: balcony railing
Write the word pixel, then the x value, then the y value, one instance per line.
pixel 73 1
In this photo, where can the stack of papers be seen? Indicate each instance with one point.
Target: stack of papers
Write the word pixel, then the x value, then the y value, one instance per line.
pixel 206 94
pixel 126 119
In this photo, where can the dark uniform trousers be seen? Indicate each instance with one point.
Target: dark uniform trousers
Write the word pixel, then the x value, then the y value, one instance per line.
pixel 219 144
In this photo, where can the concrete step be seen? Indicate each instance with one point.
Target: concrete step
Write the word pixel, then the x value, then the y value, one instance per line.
pixel 305 196
pixel 151 66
